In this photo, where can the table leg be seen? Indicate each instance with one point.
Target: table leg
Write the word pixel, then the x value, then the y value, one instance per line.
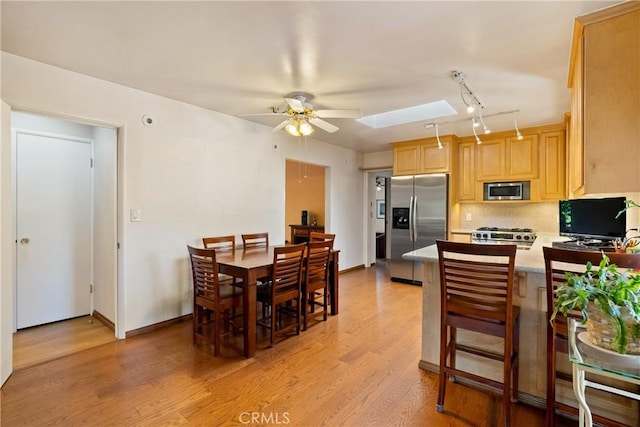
pixel 333 284
pixel 584 413
pixel 249 308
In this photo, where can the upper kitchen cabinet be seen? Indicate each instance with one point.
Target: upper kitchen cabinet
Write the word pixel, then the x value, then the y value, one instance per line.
pixel 465 174
pixel 423 156
pixel 552 168
pixel 508 159
pixel 406 159
pixel 604 136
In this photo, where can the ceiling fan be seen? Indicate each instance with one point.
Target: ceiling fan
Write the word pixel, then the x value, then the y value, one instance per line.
pixel 301 115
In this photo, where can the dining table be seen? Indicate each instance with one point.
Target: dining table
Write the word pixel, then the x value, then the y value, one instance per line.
pixel 252 264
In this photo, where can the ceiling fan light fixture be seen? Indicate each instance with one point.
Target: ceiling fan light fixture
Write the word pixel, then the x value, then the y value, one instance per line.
pixel 305 128
pixel 293 128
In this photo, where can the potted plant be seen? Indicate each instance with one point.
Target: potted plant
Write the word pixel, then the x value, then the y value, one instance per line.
pixel 606 297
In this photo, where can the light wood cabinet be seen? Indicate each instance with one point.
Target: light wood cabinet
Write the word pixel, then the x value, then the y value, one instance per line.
pixel 466 171
pixel 604 153
pixel 552 166
pixel 575 144
pixel 423 156
pixel 435 159
pixel 490 160
pixel 522 157
pixel 406 159
pixel 508 159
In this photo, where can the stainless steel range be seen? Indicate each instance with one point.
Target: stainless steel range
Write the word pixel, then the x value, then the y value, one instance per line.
pixel 522 237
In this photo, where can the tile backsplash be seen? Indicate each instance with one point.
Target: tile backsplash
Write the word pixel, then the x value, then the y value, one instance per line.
pixel 541 217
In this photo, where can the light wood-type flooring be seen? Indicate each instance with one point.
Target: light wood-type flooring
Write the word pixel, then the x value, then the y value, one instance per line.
pixel 359 368
pixel 36 345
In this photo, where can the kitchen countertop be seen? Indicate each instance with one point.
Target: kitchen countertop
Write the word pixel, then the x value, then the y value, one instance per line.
pixel 527 260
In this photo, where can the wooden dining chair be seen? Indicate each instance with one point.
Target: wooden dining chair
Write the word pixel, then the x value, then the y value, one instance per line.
pixel 316 236
pixel 282 293
pixel 476 286
pixel 225 244
pixel 557 262
pixel 212 301
pixel 315 288
pixel 255 240
pixel 221 243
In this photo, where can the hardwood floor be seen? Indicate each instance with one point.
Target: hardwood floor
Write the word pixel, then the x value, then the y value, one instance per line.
pixel 40 344
pixel 359 368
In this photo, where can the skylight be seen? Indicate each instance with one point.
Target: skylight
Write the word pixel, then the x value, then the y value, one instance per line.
pixel 429 111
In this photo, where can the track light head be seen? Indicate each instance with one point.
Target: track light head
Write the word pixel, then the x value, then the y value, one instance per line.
pixel 515 122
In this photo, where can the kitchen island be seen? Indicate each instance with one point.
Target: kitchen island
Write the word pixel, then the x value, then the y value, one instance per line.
pixel 530 295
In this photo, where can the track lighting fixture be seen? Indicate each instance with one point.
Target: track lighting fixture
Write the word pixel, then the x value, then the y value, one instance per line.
pixel 515 122
pixel 478 141
pixel 466 92
pixel 486 129
pixel 475 122
pixel 438 138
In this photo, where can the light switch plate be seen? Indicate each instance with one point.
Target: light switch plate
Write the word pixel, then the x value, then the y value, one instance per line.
pixel 135 215
pixel 468 217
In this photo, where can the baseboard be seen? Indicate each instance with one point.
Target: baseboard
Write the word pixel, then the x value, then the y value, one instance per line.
pixel 526 398
pixel 156 326
pixel 357 267
pixel 102 319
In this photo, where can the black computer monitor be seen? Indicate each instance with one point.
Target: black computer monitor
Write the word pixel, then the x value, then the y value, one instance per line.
pixel 584 219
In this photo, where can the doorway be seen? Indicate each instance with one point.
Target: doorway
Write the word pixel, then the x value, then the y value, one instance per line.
pixel 304 196
pixel 94 247
pixel 377 235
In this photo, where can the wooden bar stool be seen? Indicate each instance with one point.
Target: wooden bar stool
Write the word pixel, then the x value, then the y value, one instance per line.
pixel 476 292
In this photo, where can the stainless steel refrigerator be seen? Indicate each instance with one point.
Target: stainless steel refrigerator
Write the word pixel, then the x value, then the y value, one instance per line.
pixel 418 219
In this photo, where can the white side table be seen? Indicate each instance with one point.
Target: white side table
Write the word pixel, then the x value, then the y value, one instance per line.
pixel 586 357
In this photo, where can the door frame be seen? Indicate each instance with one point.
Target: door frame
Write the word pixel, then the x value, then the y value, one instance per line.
pixel 9 195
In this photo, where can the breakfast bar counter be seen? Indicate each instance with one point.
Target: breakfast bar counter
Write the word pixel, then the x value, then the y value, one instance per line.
pixel 530 295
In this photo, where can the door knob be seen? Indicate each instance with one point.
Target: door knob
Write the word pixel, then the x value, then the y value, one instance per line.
pixel 24 241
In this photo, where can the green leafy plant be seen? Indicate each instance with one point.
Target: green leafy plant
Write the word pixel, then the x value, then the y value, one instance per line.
pixel 610 290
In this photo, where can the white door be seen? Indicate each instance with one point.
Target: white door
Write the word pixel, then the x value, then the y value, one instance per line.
pixel 53 221
pixel 7 229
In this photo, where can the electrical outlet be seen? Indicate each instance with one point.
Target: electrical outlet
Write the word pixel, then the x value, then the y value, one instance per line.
pixel 468 217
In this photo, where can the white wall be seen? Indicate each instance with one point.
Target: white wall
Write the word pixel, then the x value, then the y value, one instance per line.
pixel 194 172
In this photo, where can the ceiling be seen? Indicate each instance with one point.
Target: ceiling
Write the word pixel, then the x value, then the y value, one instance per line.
pixel 241 57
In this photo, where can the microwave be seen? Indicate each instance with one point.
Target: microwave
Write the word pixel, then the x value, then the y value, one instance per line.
pixel 519 190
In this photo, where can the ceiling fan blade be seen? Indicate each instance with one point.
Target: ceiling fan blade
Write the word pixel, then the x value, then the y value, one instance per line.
pixel 325 126
pixel 280 126
pixel 339 114
pixel 295 104
pixel 260 114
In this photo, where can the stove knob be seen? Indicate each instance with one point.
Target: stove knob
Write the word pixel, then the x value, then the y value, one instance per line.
pixel 485 236
pixel 519 237
pixel 526 237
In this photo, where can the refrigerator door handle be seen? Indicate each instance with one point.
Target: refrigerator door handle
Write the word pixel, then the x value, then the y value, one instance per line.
pixel 411 218
pixel 414 217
